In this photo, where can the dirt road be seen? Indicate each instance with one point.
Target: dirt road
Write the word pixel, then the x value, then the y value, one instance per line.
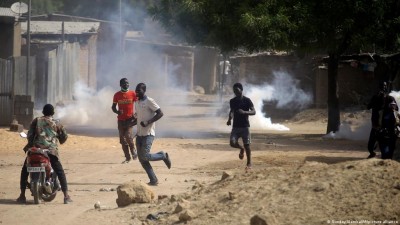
pixel 199 154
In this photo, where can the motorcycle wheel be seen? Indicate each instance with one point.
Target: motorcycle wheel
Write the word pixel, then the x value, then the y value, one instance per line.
pixel 50 197
pixel 35 192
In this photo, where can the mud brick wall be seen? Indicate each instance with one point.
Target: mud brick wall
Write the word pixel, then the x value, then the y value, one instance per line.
pixel 23 109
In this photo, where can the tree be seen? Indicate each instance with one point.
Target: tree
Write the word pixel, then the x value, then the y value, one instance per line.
pixel 338 27
pixel 225 24
pixel 330 26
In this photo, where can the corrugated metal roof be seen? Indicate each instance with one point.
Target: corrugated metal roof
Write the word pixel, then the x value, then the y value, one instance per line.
pixel 7 12
pixel 55 27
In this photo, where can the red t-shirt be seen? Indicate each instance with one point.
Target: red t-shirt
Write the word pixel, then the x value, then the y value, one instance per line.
pixel 125 102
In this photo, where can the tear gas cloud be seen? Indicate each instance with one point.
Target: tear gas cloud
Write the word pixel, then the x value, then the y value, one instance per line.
pixel 93 108
pixel 346 131
pixel 89 108
pixel 284 90
pixel 360 132
pixel 141 63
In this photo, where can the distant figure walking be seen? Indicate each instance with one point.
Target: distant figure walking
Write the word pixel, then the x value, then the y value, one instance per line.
pixel 124 99
pixel 387 135
pixel 148 112
pixel 240 109
pixel 376 104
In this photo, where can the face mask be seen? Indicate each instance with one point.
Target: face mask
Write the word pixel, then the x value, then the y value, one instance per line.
pixel 124 90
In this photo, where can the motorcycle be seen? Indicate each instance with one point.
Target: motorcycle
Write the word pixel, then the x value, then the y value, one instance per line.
pixel 43 180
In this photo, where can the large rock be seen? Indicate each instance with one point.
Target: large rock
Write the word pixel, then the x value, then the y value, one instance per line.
pixel 199 90
pixel 182 205
pixel 186 215
pixel 134 192
pixel 265 219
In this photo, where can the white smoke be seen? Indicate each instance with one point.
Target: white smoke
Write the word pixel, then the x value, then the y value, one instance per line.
pixel 90 108
pixel 359 133
pixel 396 96
pixel 346 131
pixel 260 121
pixel 93 108
pixel 142 63
pixel 285 90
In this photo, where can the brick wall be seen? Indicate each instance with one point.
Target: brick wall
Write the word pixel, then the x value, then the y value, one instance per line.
pixel 355 86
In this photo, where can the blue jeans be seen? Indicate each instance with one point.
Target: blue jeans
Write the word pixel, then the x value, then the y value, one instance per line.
pixel 143 145
pixel 387 146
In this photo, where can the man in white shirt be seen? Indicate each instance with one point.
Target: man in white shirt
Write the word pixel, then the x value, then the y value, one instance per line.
pixel 148 112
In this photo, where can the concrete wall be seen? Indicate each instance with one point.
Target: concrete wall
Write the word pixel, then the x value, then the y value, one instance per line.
pixel 10 39
pixel 88 62
pixel 205 69
pixel 258 69
pixel 23 109
pixel 159 64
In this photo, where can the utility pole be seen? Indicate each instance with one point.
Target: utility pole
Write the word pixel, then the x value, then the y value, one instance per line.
pixel 121 39
pixel 28 44
pixel 120 29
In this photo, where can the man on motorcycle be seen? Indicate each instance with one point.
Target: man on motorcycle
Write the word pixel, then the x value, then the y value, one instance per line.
pixel 45 132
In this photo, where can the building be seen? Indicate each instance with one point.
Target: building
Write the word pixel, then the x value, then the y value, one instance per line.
pixel 61 54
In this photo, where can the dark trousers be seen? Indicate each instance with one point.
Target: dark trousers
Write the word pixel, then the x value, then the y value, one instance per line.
pixel 387 146
pixel 126 140
pixel 373 138
pixel 57 167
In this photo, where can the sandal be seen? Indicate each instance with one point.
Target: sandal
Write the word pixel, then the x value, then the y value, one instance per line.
pixel 67 200
pixel 248 169
pixel 153 183
pixel 241 154
pixel 21 199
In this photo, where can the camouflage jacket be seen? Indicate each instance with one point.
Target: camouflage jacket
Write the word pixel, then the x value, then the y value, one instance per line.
pixel 45 132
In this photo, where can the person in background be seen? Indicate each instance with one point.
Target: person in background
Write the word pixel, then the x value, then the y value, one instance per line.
pixel 241 108
pixel 125 99
pixel 376 105
pixel 45 132
pixel 225 71
pixel 387 135
pixel 148 112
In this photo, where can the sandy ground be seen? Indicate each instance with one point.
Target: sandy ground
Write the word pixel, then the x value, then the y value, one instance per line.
pixel 298 177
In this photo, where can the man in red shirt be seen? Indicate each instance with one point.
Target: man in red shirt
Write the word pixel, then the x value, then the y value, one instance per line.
pixel 126 118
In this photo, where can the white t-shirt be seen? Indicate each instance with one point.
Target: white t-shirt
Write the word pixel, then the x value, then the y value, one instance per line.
pixel 145 110
pixel 227 67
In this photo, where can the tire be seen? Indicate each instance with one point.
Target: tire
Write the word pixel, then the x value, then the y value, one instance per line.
pixel 35 192
pixel 50 197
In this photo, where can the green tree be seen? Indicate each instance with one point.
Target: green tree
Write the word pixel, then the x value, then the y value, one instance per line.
pixel 347 26
pixel 225 24
pixel 331 27
pixel 6 3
